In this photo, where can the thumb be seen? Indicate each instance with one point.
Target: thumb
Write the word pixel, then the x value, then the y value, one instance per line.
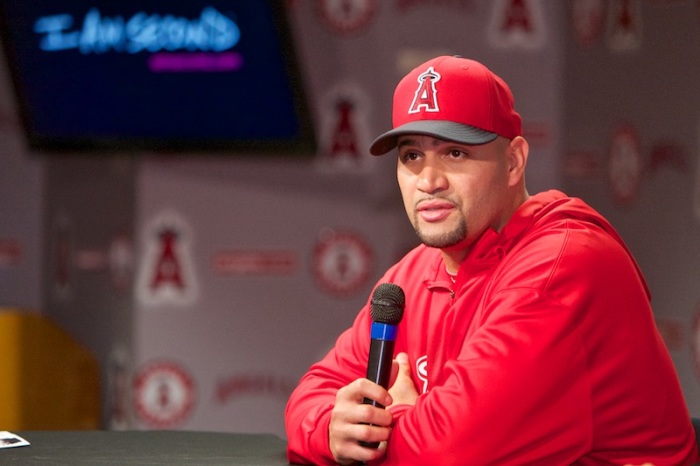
pixel 403 390
pixel 402 360
pixel 399 366
pixel 404 368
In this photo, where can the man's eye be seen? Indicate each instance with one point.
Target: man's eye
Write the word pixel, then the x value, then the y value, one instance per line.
pixel 456 153
pixel 409 156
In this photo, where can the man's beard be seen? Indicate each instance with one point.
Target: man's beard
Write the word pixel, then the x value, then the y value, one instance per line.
pixel 443 240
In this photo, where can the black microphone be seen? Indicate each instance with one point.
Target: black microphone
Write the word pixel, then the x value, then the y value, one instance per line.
pixel 386 309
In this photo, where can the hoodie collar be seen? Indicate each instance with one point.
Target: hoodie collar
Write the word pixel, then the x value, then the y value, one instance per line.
pixel 492 246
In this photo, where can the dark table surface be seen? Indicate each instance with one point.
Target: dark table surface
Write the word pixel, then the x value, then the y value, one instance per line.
pixel 171 448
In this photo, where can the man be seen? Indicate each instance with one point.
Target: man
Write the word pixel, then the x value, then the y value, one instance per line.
pixel 527 337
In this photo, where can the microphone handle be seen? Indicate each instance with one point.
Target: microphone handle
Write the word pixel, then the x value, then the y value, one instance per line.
pixel 381 353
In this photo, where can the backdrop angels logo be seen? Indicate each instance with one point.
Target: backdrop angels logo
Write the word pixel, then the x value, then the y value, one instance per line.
pixel 10 252
pixel 342 262
pixel 164 394
pixel 167 273
pixel 517 23
pixel 587 19
pixel 347 16
pixel 624 25
pixel 344 133
pixel 625 166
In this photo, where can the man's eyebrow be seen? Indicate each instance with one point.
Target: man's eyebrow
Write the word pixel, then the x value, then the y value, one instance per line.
pixel 407 142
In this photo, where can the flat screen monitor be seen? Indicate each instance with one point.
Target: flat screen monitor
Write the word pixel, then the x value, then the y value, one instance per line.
pixel 161 75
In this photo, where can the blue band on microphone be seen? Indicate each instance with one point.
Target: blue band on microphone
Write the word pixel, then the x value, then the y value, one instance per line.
pixel 382 331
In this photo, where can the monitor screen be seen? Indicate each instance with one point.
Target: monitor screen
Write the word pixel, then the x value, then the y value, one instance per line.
pixel 164 75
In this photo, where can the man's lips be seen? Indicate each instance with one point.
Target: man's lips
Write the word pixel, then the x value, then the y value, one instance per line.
pixel 434 210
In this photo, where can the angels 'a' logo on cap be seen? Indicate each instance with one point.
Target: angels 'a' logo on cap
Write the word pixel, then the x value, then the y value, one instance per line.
pixel 426 94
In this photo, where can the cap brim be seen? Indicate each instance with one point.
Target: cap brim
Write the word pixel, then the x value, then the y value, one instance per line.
pixel 448 130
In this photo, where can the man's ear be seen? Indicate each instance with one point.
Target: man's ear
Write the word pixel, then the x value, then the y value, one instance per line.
pixel 518 151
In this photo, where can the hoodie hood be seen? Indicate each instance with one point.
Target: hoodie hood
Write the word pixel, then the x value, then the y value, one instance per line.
pixel 550 206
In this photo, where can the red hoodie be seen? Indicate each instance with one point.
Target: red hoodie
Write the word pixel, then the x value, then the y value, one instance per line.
pixel 544 351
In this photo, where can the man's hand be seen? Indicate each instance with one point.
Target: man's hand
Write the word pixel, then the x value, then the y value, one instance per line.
pixel 403 391
pixel 352 422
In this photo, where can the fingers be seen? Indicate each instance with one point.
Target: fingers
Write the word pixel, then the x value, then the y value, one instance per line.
pixel 345 443
pixel 363 388
pixel 352 421
pixel 350 407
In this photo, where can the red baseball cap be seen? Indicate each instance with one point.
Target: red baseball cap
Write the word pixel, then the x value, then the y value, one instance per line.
pixel 451 98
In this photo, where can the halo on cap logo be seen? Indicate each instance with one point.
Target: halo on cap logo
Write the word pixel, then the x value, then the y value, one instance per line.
pixel 426 94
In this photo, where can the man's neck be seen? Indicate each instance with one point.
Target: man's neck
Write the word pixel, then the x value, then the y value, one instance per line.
pixel 452 259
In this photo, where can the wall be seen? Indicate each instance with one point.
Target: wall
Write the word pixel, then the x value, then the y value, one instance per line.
pixel 88 260
pixel 21 209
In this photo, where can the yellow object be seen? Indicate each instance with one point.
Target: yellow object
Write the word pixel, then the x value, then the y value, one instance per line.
pixel 47 380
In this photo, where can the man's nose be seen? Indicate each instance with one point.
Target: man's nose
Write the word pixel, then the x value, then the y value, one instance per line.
pixel 432 178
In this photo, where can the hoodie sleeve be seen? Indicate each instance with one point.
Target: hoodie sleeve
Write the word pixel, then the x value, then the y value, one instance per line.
pixel 308 410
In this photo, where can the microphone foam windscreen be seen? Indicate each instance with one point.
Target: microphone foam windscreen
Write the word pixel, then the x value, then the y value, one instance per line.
pixel 387 304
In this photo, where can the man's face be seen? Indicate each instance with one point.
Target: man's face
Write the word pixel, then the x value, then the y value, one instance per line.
pixel 453 192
